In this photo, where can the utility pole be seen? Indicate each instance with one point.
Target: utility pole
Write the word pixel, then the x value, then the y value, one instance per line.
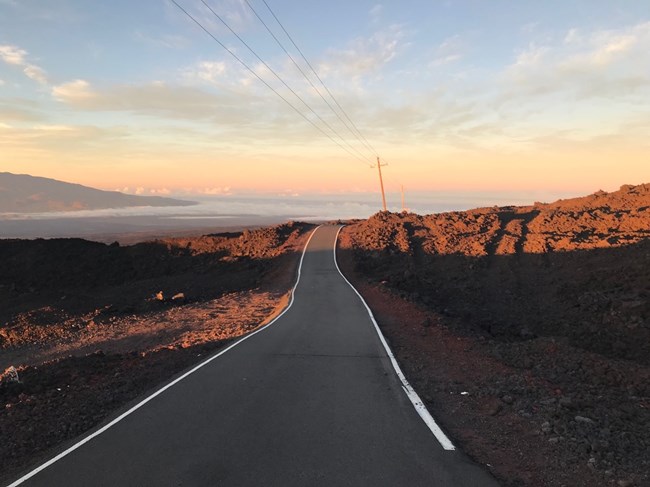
pixel 381 183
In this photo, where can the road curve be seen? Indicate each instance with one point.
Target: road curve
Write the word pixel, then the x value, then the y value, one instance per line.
pixel 313 399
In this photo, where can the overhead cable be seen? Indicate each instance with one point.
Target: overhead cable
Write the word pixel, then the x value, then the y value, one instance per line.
pixel 266 83
pixel 252 51
pixel 368 144
pixel 311 83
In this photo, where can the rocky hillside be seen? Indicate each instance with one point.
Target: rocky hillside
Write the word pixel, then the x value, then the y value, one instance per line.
pixel 579 268
pixel 601 220
pixel 75 275
pixel 539 314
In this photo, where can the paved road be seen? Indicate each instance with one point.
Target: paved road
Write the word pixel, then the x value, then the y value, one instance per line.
pixel 312 400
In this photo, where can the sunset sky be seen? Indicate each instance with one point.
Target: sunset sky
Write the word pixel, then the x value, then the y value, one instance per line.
pixel 455 95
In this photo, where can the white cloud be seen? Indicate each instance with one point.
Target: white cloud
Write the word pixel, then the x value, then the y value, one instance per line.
pixel 364 56
pixel 53 137
pixel 35 73
pixel 449 51
pixel 141 190
pixel 231 76
pixel 152 99
pixel 235 12
pixel 607 48
pixel 16 56
pixel 376 11
pixel 533 57
pixel 611 50
pixel 20 110
pixel 572 36
pixel 55 128
pixel 159 191
pixel 288 193
pixel 586 64
pixel 170 41
pixel 210 71
pixel 529 27
pixel 226 190
pixel 73 91
pixel 241 115
pixel 13 55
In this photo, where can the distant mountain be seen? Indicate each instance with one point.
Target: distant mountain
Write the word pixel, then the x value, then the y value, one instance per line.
pixel 21 193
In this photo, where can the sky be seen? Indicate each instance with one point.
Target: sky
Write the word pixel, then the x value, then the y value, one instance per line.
pixel 452 95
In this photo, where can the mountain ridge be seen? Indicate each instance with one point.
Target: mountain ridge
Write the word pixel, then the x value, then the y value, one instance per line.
pixel 24 193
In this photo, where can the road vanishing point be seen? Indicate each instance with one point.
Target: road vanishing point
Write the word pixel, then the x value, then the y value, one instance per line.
pixel 312 399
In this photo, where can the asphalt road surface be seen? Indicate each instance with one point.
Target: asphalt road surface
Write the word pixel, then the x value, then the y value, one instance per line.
pixel 311 400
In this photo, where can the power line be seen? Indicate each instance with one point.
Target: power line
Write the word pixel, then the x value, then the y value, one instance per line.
pixel 265 83
pixel 280 78
pixel 360 136
pixel 279 43
pixel 368 144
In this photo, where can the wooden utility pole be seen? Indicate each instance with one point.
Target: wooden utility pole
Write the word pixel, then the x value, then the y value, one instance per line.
pixel 381 183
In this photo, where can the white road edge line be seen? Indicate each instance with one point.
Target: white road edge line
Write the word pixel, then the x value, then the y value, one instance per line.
pixel 408 390
pixel 164 388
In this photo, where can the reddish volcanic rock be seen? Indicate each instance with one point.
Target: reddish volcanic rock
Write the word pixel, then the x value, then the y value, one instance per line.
pixel 540 313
